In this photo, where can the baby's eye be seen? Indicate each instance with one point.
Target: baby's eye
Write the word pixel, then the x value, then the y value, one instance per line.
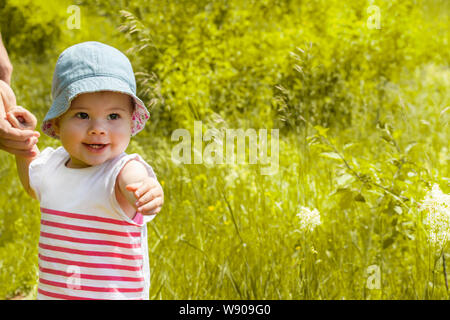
pixel 82 115
pixel 113 116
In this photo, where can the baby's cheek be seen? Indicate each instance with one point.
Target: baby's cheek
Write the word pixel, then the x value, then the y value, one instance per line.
pixel 122 140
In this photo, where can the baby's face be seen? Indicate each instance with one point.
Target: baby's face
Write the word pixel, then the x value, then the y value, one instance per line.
pixel 96 128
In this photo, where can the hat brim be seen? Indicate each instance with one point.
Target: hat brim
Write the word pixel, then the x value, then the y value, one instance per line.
pixel 62 102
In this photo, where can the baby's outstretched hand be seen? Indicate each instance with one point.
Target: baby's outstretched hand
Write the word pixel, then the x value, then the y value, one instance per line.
pixel 149 195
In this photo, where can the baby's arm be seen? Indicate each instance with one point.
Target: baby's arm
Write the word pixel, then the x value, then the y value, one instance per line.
pixel 21 118
pixel 141 191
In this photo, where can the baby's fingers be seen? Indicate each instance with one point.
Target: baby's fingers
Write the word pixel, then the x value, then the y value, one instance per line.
pixel 152 207
pixel 145 198
pixel 133 186
pixel 143 189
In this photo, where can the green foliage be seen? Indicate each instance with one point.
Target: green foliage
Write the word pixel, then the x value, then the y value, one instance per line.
pixel 201 58
pixel 298 59
pixel 19 231
pixel 28 28
pixel 364 134
pixel 342 67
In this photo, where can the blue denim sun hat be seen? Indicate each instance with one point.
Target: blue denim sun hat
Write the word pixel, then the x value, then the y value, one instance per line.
pixel 92 67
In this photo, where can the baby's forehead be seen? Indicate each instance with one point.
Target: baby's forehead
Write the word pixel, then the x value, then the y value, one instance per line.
pixel 103 100
pixel 104 107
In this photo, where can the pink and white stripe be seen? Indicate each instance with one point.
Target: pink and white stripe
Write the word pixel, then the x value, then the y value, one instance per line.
pixel 83 256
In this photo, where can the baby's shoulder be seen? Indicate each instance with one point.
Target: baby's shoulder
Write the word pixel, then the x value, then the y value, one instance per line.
pixel 131 162
pixel 47 156
pixel 130 169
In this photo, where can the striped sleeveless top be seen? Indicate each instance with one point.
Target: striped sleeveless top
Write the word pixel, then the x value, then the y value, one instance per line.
pixel 88 247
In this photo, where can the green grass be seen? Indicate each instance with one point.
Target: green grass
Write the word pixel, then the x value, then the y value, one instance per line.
pixel 228 232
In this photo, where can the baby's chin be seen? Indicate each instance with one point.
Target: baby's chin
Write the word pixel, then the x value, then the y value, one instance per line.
pixel 88 156
pixel 86 162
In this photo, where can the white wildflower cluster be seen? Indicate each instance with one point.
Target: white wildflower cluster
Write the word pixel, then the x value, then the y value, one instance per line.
pixel 436 204
pixel 309 219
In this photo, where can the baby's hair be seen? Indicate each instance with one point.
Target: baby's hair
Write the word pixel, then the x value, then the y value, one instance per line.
pixel 133 104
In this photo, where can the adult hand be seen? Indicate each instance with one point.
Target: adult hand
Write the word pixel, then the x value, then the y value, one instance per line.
pixel 6 67
pixel 21 118
pixel 16 141
pixel 6 70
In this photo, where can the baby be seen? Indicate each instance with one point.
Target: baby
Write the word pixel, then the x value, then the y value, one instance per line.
pixel 95 200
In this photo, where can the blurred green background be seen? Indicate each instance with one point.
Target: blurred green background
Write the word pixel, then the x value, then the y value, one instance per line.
pixel 363 115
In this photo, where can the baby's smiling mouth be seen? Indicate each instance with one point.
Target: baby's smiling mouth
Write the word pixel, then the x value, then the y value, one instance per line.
pixel 96 146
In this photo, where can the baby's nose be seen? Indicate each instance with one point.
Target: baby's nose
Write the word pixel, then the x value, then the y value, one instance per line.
pixel 97 132
pixel 97 129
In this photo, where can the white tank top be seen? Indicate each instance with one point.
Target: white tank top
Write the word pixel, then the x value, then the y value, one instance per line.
pixel 88 247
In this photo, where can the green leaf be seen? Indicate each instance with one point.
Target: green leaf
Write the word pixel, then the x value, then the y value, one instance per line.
pixel 345 180
pixel 346 199
pixel 321 130
pixel 389 241
pixel 410 146
pixel 331 155
pixel 350 145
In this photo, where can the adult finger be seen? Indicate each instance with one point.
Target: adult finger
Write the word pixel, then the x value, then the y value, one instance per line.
pixel 21 119
pixel 2 107
pixel 10 133
pixel 8 98
pixel 23 153
pixel 28 119
pixel 15 123
pixel 19 145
